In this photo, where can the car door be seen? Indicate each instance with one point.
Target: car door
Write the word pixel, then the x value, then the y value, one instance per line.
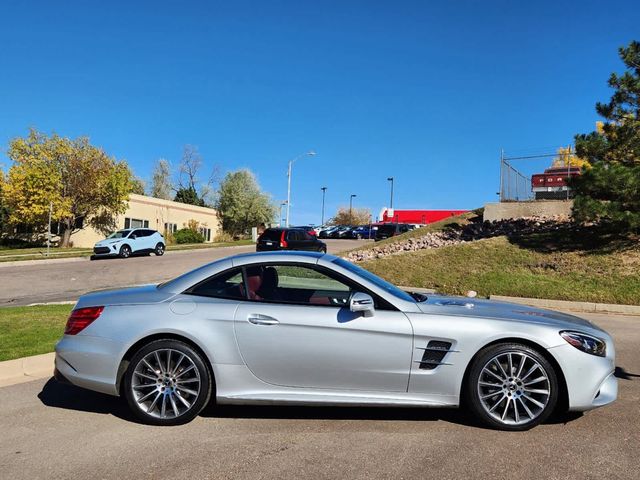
pixel 298 331
pixel 135 240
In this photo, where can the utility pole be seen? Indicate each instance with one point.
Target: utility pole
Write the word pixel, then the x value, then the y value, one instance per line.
pixel 49 228
pixel 324 191
pixel 390 179
pixel 310 153
pixel 351 207
pixel 280 219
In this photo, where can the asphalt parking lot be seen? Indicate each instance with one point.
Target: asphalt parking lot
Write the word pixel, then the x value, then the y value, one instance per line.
pixel 55 431
pixel 45 281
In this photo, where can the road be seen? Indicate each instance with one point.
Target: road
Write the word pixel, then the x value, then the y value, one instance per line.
pixel 54 431
pixel 60 280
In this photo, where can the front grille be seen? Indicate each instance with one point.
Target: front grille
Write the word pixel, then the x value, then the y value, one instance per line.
pixel 433 354
pixel 100 250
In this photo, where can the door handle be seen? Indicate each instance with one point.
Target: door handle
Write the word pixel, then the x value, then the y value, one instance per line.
pixel 258 319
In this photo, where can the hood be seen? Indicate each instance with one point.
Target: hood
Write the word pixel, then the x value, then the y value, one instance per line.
pixel 124 296
pixel 108 241
pixel 473 307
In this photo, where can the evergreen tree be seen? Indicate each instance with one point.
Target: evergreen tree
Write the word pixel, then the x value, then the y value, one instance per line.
pixel 609 190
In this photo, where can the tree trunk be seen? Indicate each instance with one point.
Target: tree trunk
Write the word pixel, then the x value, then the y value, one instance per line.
pixel 65 238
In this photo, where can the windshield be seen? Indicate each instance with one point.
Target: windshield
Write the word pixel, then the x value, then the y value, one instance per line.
pixel 119 234
pixel 377 281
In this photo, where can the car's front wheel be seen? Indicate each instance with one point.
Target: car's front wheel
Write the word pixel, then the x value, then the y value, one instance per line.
pixel 125 251
pixel 159 250
pixel 167 383
pixel 511 387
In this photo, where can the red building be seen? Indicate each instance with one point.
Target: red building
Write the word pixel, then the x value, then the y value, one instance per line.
pixel 388 215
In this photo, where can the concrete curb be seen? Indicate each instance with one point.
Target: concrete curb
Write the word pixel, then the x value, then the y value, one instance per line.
pixel 26 369
pixel 588 307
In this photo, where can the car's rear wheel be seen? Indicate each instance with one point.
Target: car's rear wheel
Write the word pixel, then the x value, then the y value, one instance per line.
pixel 511 387
pixel 159 250
pixel 125 251
pixel 167 383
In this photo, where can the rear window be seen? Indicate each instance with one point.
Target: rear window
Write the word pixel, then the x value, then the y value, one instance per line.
pixel 387 229
pixel 271 234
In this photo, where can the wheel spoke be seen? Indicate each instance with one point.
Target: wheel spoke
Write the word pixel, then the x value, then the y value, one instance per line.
pixel 510 364
pixel 147 385
pixel 175 369
pixel 174 406
pixel 146 396
pixel 486 370
pixel 506 408
pixel 489 384
pixel 497 403
pixel 537 390
pixel 533 400
pixel 499 392
pixel 522 362
pixel 537 380
pixel 531 370
pixel 159 362
pixel 168 361
pixel 516 414
pixel 154 370
pixel 182 399
pixel 529 412
pixel 188 390
pixel 497 362
pixel 163 410
pixel 153 404
pixel 188 369
pixel 144 375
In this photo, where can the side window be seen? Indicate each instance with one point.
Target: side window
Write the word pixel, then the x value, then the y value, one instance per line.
pixel 228 284
pixel 135 233
pixel 296 284
pixel 306 236
pixel 293 236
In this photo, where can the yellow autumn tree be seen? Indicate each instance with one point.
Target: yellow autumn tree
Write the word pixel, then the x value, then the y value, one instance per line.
pixel 566 157
pixel 81 183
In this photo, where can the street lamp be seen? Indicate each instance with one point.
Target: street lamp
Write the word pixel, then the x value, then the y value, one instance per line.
pixel 280 219
pixel 390 179
pixel 324 191
pixel 351 207
pixel 310 153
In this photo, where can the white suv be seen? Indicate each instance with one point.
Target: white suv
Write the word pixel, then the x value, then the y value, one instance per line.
pixel 124 243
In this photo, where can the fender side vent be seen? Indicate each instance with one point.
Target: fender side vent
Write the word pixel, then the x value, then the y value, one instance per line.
pixel 433 354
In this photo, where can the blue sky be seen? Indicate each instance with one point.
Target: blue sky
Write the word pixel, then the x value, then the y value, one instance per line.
pixel 427 92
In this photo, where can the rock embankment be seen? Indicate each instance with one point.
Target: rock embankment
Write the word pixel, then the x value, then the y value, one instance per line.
pixel 459 234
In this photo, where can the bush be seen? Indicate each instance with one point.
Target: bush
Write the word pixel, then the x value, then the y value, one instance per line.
pixel 223 237
pixel 186 235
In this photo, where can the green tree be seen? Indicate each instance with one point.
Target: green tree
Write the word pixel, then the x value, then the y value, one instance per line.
pixel 81 182
pixel 161 186
pixel 610 189
pixel 4 211
pixel 242 204
pixel 188 195
pixel 138 186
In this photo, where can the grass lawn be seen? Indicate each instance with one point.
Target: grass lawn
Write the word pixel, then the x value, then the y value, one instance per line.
pixel 592 268
pixel 26 331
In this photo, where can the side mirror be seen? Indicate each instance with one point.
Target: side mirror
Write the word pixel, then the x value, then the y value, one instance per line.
pixel 362 302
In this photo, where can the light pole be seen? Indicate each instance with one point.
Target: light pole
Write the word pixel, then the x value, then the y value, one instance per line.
pixel 310 153
pixel 280 219
pixel 351 207
pixel 324 191
pixel 390 179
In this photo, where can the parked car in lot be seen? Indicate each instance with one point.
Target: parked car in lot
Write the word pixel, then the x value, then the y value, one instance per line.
pixel 132 241
pixel 306 328
pixel 326 233
pixel 289 239
pixel 343 231
pixel 391 230
pixel 363 231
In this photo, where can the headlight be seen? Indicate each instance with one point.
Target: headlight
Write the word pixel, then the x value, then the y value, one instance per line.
pixel 586 343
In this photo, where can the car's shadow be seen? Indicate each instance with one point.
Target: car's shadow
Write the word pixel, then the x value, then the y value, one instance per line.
pixel 69 397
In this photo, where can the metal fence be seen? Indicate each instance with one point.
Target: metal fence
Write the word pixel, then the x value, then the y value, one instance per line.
pixel 516 172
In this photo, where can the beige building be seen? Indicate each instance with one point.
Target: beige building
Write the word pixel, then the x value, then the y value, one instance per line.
pixel 158 214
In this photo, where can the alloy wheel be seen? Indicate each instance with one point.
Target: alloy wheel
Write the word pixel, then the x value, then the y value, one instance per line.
pixel 166 383
pixel 514 388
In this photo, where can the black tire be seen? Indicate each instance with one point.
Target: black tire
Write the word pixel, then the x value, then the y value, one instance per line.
pixel 125 251
pixel 131 385
pixel 512 391
pixel 159 250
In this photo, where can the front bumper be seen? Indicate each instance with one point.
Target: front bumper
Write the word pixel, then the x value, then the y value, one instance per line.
pixel 106 250
pixel 89 362
pixel 590 380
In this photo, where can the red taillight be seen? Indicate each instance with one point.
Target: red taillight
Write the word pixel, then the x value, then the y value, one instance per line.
pixel 312 232
pixel 81 318
pixel 283 242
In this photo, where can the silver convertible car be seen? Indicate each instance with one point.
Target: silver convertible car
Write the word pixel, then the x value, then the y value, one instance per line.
pixel 314 329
